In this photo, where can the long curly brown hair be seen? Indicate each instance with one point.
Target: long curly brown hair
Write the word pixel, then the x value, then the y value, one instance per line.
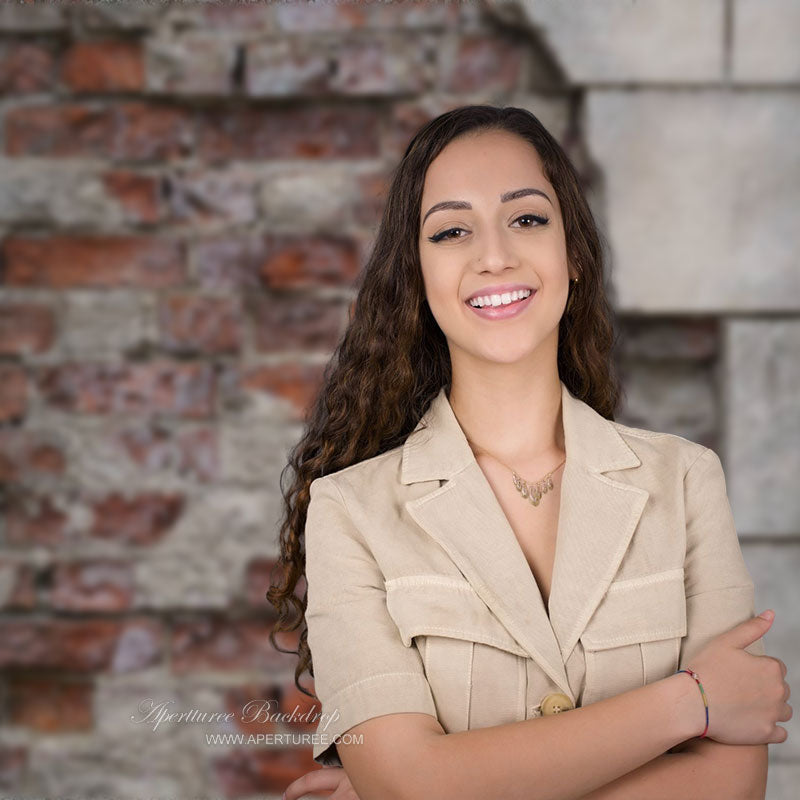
pixel 393 358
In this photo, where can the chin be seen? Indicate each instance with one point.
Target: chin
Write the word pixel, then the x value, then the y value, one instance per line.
pixel 505 355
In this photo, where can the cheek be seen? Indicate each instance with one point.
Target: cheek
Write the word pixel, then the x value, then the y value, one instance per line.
pixel 441 290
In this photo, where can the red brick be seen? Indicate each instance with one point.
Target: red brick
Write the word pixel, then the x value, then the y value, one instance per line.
pixel 485 63
pixel 96 585
pixel 345 17
pixel 22 580
pixel 228 263
pixel 255 706
pixel 192 453
pixel 306 131
pixel 302 712
pixel 190 323
pixel 133 131
pixel 140 520
pixel 407 118
pixel 25 328
pixel 158 133
pixel 137 195
pixel 50 705
pixel 258 580
pixel 291 262
pixel 99 645
pixel 25 67
pixel 247 17
pixel 32 520
pixel 103 66
pixel 182 389
pixel 259 577
pixel 69 130
pixel 297 383
pixel 13 393
pixel 254 771
pixel 384 66
pixel 62 261
pixel 374 189
pixel 13 761
pixel 228 645
pixel 296 321
pixel 27 454
pixel 302 18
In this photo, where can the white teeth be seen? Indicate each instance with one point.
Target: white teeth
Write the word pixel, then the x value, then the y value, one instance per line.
pixel 499 299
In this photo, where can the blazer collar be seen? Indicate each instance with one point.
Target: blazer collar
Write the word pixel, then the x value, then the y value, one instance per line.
pixel 597 517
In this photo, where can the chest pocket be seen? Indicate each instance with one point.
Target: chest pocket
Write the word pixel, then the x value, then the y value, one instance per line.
pixel 475 668
pixel 634 636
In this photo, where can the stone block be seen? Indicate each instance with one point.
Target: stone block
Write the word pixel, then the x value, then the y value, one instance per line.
pixel 701 191
pixel 671 397
pixel 765 34
pixel 647 41
pixel 762 424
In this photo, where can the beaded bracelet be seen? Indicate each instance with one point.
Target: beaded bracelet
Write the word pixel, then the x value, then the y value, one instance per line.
pixel 694 675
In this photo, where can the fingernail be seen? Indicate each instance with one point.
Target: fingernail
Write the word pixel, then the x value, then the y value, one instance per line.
pixel 769 614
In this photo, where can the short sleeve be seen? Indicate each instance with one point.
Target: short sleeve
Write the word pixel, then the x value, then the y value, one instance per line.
pixel 362 669
pixel 719 589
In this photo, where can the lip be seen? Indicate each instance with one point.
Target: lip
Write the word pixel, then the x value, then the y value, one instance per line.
pixel 498 288
pixel 502 312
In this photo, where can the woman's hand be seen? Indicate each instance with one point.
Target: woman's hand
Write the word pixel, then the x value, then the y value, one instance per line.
pixel 327 779
pixel 747 694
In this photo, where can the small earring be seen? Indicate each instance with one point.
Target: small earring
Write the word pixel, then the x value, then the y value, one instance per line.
pixel 571 294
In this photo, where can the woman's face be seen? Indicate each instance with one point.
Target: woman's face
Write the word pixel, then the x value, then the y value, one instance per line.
pixel 493 244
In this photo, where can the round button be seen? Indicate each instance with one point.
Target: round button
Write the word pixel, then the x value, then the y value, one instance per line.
pixel 556 703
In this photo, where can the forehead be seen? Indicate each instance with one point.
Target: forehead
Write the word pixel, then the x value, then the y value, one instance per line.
pixel 484 164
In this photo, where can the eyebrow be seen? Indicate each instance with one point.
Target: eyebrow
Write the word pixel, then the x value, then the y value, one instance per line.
pixel 459 205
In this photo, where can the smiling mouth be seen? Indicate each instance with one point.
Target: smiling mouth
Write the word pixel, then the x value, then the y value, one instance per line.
pixel 498 300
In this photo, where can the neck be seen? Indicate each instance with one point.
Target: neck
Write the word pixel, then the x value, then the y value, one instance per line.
pixel 517 419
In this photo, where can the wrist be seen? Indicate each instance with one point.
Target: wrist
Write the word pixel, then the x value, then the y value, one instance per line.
pixel 688 719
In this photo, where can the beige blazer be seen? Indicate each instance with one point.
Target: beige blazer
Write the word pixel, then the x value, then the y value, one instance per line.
pixel 420 597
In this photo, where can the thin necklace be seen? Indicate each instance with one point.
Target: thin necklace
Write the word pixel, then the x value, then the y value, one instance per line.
pixel 530 491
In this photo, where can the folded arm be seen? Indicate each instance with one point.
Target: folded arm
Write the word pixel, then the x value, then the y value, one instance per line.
pixel 719 595
pixel 700 769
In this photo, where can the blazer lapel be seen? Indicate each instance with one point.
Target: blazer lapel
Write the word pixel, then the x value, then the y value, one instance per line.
pixel 597 518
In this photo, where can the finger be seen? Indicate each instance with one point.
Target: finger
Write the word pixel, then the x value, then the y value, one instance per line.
pixel 344 792
pixel 749 631
pixel 318 780
pixel 779 735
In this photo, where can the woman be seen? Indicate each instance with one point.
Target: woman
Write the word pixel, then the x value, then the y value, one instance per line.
pixel 483 545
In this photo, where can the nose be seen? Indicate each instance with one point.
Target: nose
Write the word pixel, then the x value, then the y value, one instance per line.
pixel 494 252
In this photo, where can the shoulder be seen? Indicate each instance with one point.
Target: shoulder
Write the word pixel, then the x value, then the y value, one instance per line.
pixel 661 450
pixel 372 474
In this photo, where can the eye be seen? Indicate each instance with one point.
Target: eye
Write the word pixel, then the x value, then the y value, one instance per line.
pixel 539 219
pixel 444 235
